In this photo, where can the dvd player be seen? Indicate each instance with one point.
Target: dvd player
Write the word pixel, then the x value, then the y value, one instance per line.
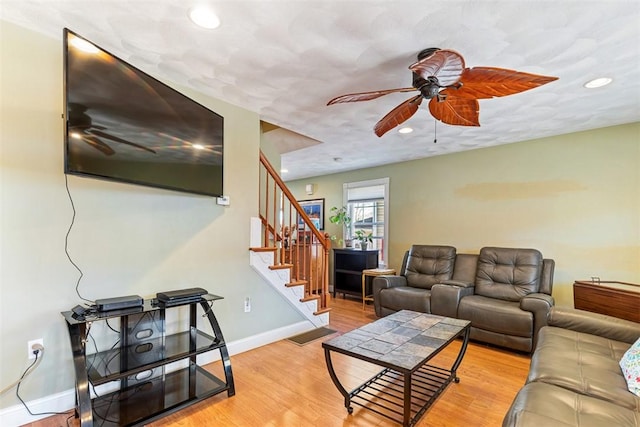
pixel 181 295
pixel 119 303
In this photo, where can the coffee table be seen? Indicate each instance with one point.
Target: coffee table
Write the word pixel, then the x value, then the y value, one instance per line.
pixel 402 343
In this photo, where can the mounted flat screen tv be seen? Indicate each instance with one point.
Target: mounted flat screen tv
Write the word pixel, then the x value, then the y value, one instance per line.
pixel 124 125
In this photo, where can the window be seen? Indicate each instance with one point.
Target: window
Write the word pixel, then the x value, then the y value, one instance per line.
pixel 366 202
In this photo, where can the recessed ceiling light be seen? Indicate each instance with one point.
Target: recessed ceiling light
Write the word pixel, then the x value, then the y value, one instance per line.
pixel 284 170
pixel 599 82
pixel 405 130
pixel 204 17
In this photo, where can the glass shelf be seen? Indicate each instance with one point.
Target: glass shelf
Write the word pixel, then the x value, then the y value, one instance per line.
pixel 149 399
pixel 112 364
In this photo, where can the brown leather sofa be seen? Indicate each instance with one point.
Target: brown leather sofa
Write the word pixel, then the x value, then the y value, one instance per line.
pixel 504 292
pixel 575 378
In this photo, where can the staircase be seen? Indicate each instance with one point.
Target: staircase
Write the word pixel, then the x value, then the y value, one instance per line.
pixel 288 251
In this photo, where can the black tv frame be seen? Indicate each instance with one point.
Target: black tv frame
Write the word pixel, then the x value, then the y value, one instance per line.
pixel 204 168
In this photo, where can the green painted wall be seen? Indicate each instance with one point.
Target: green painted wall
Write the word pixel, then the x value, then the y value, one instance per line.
pixel 574 197
pixel 126 239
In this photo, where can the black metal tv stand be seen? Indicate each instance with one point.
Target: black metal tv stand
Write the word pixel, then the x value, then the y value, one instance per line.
pixel 154 373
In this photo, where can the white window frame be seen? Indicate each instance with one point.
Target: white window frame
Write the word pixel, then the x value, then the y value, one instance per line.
pixel 370 183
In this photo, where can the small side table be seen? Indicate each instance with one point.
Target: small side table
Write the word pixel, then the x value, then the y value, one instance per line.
pixel 372 272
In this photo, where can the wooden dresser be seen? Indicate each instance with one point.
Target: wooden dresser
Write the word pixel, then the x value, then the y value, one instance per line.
pixel 617 299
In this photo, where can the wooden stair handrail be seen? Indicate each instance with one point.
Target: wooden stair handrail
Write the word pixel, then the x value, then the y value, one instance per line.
pixel 322 238
pixel 270 228
pixel 303 249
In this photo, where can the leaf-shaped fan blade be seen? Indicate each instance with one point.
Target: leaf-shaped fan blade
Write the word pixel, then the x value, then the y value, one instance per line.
pixel 398 115
pixel 98 145
pixel 490 82
pixel 447 65
pixel 366 96
pixel 120 140
pixel 455 111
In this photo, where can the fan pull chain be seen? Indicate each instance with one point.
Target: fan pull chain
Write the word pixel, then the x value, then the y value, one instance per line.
pixel 435 131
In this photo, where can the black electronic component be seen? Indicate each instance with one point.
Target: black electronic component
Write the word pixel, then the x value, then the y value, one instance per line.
pixel 79 310
pixel 119 303
pixel 180 295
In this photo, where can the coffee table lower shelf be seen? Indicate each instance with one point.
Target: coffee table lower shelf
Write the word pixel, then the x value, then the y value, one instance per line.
pixel 384 392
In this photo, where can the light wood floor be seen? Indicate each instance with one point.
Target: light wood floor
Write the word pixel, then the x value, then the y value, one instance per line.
pixel 284 384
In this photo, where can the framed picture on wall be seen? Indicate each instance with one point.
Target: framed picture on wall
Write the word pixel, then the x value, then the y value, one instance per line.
pixel 315 211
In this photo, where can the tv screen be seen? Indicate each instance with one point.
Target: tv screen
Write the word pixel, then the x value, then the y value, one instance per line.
pixel 124 125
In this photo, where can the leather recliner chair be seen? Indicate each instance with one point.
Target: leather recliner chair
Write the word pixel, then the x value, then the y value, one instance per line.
pixel 511 297
pixel 423 266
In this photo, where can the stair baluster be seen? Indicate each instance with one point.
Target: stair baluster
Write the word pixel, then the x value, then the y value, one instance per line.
pixel 297 243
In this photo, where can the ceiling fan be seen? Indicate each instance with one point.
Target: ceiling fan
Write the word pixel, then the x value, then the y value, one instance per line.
pixel 440 75
pixel 82 127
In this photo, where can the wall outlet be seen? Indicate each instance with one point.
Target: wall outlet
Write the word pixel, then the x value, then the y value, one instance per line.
pixel 30 347
pixel 247 305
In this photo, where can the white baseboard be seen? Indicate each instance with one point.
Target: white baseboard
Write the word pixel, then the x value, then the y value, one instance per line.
pixel 255 341
pixel 17 415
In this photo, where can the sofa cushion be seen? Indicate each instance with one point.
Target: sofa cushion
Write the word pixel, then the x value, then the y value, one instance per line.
pixel 429 264
pixel 584 363
pixel 496 315
pixel 508 273
pixel 630 365
pixel 406 298
pixel 540 404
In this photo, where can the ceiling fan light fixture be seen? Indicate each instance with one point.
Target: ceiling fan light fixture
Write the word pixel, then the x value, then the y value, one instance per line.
pixel 204 17
pixel 599 82
pixel 405 129
pixel 453 89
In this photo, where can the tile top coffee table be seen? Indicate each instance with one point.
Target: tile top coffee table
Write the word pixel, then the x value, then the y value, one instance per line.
pixel 402 343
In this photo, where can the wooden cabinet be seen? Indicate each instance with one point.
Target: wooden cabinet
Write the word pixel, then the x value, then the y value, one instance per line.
pixel 617 299
pixel 347 269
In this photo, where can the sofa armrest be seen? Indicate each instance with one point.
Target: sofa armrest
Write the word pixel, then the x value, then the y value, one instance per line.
pixel 446 296
pixel 595 324
pixel 458 283
pixel 539 304
pixel 385 282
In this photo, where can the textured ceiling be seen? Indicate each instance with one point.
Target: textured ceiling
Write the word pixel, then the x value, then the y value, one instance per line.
pixel 286 59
